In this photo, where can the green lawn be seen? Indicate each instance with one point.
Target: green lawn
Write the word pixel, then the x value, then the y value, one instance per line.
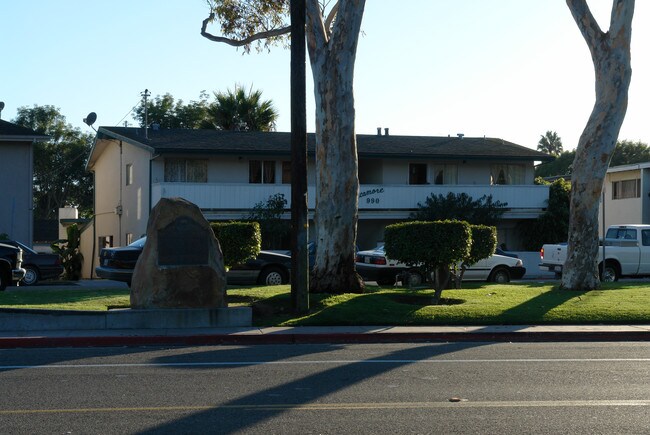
pixel 477 304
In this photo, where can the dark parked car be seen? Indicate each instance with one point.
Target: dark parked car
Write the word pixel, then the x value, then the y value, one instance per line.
pixel 38 266
pixel 11 259
pixel 267 268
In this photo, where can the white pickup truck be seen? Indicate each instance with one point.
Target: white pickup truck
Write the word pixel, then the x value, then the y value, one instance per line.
pixel 627 253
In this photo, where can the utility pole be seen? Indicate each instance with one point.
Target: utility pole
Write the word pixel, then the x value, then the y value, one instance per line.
pixel 144 95
pixel 299 216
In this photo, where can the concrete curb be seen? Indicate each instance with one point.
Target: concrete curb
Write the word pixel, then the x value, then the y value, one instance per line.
pixel 292 337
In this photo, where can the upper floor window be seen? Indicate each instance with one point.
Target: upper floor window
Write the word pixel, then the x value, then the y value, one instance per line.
pixel 417 173
pixel 445 174
pixel 129 174
pixel 507 174
pixel 626 189
pixel 261 171
pixel 186 170
pixel 286 172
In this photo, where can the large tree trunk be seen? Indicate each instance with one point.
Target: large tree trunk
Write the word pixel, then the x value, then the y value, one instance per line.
pixel 332 58
pixel 611 56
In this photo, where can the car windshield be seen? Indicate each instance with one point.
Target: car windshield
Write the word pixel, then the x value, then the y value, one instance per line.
pixel 25 248
pixel 139 243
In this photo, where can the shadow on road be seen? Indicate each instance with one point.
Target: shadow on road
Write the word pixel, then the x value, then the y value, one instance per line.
pixel 242 414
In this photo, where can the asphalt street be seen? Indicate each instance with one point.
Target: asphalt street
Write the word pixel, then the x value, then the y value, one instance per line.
pixel 508 388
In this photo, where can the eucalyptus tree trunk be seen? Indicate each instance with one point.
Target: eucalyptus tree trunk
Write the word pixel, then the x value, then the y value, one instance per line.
pixel 610 53
pixel 332 54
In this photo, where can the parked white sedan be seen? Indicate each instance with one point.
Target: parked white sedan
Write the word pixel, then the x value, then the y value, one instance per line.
pixel 373 265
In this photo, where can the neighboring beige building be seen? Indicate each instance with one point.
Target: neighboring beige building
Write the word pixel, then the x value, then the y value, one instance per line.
pixel 627 195
pixel 226 173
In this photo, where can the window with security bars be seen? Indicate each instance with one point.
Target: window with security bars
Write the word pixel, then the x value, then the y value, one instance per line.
pixel 626 189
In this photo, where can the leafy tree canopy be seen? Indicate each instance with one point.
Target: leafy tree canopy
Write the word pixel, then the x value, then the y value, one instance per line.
pixel 562 165
pixel 231 110
pixel 461 206
pixel 626 153
pixel 60 176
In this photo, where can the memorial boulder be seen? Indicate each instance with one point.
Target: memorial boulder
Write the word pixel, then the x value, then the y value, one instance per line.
pixel 181 265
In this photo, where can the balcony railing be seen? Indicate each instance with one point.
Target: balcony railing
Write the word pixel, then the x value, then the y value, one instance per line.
pixel 371 197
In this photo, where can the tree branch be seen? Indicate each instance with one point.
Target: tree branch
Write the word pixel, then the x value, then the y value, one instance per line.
pixel 622 12
pixel 331 16
pixel 317 36
pixel 586 22
pixel 241 42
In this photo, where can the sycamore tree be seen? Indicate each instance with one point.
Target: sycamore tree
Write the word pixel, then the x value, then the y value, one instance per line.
pixel 332 31
pixel 610 52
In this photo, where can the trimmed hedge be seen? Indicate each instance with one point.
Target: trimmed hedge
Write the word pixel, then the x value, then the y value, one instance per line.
pixel 484 242
pixel 240 241
pixel 428 244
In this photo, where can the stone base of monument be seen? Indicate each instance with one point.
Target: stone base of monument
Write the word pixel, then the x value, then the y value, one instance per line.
pixel 16 319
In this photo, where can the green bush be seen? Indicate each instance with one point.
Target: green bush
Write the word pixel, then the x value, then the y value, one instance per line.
pixel 484 242
pixel 240 241
pixel 70 253
pixel 432 246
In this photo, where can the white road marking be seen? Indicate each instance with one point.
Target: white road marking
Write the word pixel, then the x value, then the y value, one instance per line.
pixel 324 362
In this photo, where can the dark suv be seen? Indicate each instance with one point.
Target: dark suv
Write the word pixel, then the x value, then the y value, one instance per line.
pixel 11 259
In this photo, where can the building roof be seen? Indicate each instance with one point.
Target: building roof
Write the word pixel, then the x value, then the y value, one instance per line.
pixel 15 133
pixel 279 143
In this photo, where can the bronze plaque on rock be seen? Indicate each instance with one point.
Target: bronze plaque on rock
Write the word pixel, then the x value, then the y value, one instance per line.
pixel 182 243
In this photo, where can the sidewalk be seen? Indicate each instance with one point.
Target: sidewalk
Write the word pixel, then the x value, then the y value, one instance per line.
pixel 335 334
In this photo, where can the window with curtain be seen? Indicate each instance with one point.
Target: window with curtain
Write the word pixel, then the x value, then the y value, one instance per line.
pixel 626 189
pixel 186 170
pixel 261 171
pixel 286 172
pixel 507 174
pixel 445 174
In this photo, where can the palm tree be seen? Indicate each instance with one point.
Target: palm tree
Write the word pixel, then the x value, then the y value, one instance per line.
pixel 241 111
pixel 550 143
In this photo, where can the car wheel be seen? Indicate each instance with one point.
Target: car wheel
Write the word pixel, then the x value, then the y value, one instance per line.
pixel 414 278
pixel 31 276
pixel 610 274
pixel 501 276
pixel 4 280
pixel 272 276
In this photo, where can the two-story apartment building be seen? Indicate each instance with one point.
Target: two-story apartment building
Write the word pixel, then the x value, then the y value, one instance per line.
pixel 226 173
pixel 16 181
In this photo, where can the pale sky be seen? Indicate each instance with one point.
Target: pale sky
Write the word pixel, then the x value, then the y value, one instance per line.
pixel 511 69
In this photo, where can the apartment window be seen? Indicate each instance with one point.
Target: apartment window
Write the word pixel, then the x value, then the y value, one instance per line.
pixel 626 189
pixel 417 173
pixel 445 174
pixel 186 170
pixel 105 242
pixel 261 171
pixel 286 172
pixel 507 174
pixel 129 174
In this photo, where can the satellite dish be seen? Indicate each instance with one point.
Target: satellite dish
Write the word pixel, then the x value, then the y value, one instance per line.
pixel 90 119
pixel 2 105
